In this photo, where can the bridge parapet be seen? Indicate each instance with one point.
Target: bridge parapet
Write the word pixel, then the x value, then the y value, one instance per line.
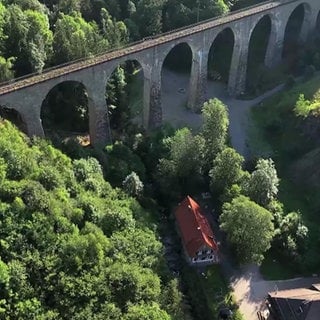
pixel 27 94
pixel 130 49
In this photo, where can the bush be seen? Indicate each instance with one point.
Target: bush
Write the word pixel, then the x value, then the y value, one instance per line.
pixel 50 178
pixel 290 82
pixel 86 168
pixel 73 149
pixel 35 197
pixel 309 72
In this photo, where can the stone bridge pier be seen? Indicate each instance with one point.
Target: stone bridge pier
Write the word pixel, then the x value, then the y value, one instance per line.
pixel 199 73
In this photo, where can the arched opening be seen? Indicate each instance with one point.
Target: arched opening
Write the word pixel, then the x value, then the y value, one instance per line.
pixel 219 62
pixel 291 44
pixel 257 72
pixel 175 81
pixel 14 117
pixel 65 113
pixel 124 96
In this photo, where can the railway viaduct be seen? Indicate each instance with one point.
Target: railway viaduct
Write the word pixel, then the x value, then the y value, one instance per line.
pixel 27 95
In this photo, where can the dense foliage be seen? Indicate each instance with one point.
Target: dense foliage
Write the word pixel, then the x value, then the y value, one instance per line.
pixel 72 247
pixel 286 127
pixel 249 228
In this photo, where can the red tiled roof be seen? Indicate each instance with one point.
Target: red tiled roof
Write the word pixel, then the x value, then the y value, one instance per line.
pixel 194 227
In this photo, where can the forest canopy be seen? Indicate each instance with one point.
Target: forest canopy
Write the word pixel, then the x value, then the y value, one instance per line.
pixel 73 247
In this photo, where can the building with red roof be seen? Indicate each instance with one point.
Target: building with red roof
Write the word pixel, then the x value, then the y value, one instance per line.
pixel 196 234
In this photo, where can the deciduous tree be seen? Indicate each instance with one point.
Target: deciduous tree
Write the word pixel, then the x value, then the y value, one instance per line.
pixel 29 39
pixel 214 129
pixel 262 186
pixel 6 72
pixel 133 185
pixel 249 228
pixel 75 38
pixel 226 170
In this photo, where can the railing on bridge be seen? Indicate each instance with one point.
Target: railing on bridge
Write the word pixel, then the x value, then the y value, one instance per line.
pixel 145 40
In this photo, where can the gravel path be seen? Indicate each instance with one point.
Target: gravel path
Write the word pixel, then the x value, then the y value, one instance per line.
pixel 174 102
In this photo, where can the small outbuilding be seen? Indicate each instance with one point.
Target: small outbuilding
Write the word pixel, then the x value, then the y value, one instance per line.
pixel 196 234
pixel 295 304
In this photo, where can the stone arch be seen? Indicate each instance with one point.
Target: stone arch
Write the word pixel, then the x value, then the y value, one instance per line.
pixel 297 28
pixel 175 79
pixel 260 37
pixel 127 106
pixel 220 55
pixel 174 46
pixel 65 111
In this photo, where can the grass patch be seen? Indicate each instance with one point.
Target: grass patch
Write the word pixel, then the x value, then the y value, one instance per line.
pixel 277 132
pixel 218 292
pixel 262 79
pixel 272 269
pixel 208 292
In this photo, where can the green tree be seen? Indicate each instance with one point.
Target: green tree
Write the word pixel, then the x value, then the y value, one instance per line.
pixel 122 161
pixel 249 228
pixel 214 129
pixel 115 219
pixel 86 168
pixel 39 39
pixel 2 23
pixel 132 284
pixel 33 5
pixel 176 14
pixel 262 186
pixel 133 185
pixel 146 312
pixel 185 153
pixel 136 245
pixel 29 39
pixel 6 72
pixel 205 9
pixel 148 17
pixel 56 261
pixel 184 161
pixel 172 300
pixel 291 236
pixel 75 38
pixel 69 6
pixel 116 97
pixel 181 13
pixel 115 32
pixel 226 169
